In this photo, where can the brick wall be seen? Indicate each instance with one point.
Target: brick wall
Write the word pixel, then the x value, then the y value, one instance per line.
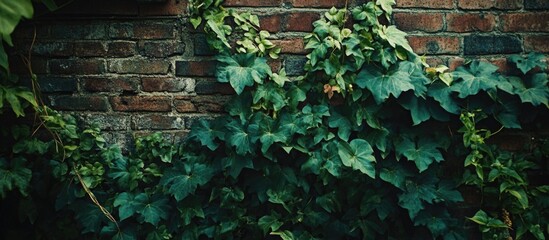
pixel 137 67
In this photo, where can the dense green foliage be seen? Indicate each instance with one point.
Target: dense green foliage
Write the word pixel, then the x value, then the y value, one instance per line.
pixel 371 143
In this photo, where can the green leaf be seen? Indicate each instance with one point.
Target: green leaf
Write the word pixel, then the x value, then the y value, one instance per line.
pixel 206 134
pixel 127 172
pixel 219 32
pixel 358 155
pixel 532 61
pixel 90 216
pixel 242 70
pixel 14 175
pixel 423 152
pixel 269 223
pixel 342 124
pixel 128 204
pixel 155 209
pixel 183 179
pixel 443 95
pixel 386 5
pixel 3 63
pixel 396 175
pixel 533 89
pixel 383 85
pixel 12 12
pixel 394 36
pixel 520 195
pixel 415 194
pixel 477 76
pixel 240 137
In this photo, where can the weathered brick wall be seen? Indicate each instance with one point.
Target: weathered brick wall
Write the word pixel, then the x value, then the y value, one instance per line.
pixel 139 67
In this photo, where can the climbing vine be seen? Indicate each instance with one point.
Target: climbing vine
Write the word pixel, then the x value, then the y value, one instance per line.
pixel 370 143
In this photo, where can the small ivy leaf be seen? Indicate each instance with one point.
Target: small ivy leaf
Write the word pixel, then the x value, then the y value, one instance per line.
pixel 358 155
pixel 127 205
pixel 155 209
pixel 342 124
pixel 478 76
pixel 434 221
pixel 396 175
pixel 414 195
pixel 269 223
pixel 394 36
pixel 447 192
pixel 533 89
pixel 532 61
pixel 242 70
pixel 14 175
pixel 219 32
pixel 280 78
pixel 423 153
pixel 272 94
pixel 520 195
pixel 383 85
pixel 235 163
pixel 386 5
pixel 183 179
pixel 240 137
pixel 418 79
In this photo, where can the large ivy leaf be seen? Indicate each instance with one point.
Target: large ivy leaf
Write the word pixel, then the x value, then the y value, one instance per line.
pixel 423 152
pixel 14 175
pixel 533 89
pixel 532 61
pixel 417 77
pixel 358 155
pixel 128 204
pixel 184 178
pixel 272 94
pixel 383 85
pixel 268 132
pixel 240 137
pixel 443 95
pixel 155 210
pixel 415 194
pixel 395 175
pixel 127 172
pixel 394 36
pixel 342 124
pixel 242 70
pixel 203 131
pixel 478 76
pixel 12 12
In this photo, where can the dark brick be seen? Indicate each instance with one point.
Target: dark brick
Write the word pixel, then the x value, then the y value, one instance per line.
pixel 184 105
pixel 142 30
pixel 39 65
pixel 105 84
pixel 164 84
pixel 195 68
pixel 475 4
pixel 170 8
pixel 108 122
pixel 141 103
pixel 79 31
pixel 538 43
pixel 252 3
pixel 210 104
pixel 201 46
pixel 291 45
pixel 139 66
pixel 80 103
pixel 89 49
pixel 271 23
pixel 57 84
pixel 206 87
pixel 77 66
pixel 319 3
pixel 536 4
pixel 492 44
pixel 99 7
pixel 508 4
pixel 434 4
pixel 161 49
pixel 51 49
pixel 294 65
pixel 157 122
pixel 121 49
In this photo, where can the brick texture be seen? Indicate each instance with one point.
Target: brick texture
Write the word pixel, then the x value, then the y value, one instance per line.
pixel 137 67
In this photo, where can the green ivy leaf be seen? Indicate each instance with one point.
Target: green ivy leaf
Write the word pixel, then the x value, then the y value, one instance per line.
pixel 533 89
pixel 395 175
pixel 184 178
pixel 477 76
pixel 12 12
pixel 90 216
pixel 358 155
pixel 423 152
pixel 155 209
pixel 443 95
pixel 203 131
pixel 383 85
pixel 14 175
pixel 342 124
pixel 242 70
pixel 269 223
pixel 128 204
pixel 127 172
pixel 240 137
pixel 394 36
pixel 414 195
pixel 386 5
pixel 532 61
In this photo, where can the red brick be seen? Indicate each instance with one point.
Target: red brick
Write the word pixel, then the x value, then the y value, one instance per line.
pixel 163 84
pixel 536 43
pixel 141 103
pixel 501 63
pixel 143 30
pixel 139 66
pixel 525 22
pixel 195 68
pixel 455 62
pixel 434 61
pixel 508 4
pixel 121 49
pixel 301 21
pixel 275 64
pixel 77 66
pixel 470 22
pixel 89 49
pixel 210 104
pixel 184 105
pixel 427 22
pixel 435 44
pixel 319 3
pixel 171 8
pixel 252 3
pixel 157 122
pixel 104 84
pixel 434 4
pixel 270 23
pixel 475 4
pixel 291 45
pixel 161 49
